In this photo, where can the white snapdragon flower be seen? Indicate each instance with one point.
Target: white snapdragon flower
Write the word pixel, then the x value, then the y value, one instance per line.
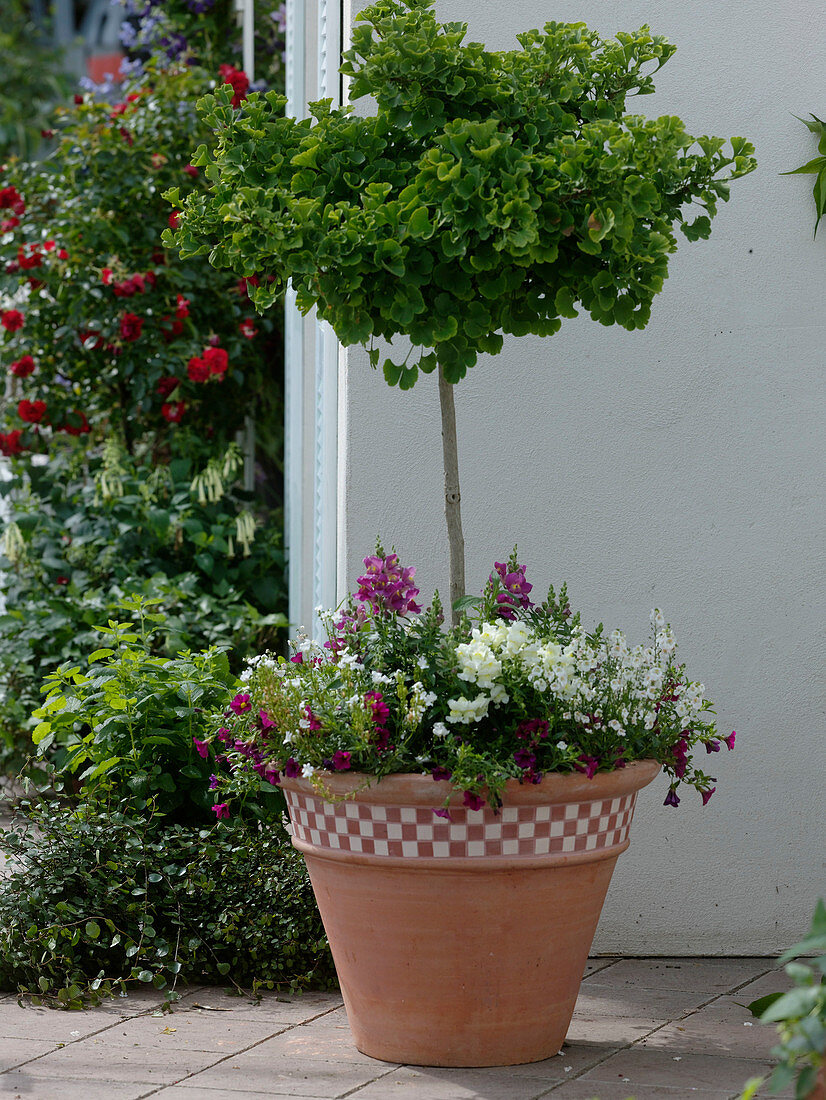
pixel 380 677
pixel 466 711
pixel 657 619
pixel 478 664
pixel 288 737
pixel 422 663
pixel 440 729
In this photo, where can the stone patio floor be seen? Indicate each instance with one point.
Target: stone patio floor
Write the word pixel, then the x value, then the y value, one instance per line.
pixel 643 1028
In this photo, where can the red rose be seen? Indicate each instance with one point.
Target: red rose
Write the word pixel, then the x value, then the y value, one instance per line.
pixel 23 367
pixel 247 328
pixel 216 359
pixel 173 219
pixel 197 370
pixel 191 170
pixel 78 98
pixel 117 110
pixel 29 257
pixel 9 198
pixel 8 224
pixel 182 307
pixel 106 276
pixel 12 320
pixel 90 339
pixel 168 385
pixel 48 246
pixel 61 580
pixel 127 137
pixel 175 328
pixel 10 443
pixel 47 133
pixel 174 413
pixel 31 411
pixel 238 80
pixel 77 424
pixel 62 254
pixel 130 326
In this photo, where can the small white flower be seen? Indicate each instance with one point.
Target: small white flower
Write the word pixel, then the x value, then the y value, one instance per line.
pixel 289 737
pixel 307 771
pixel 422 663
pixel 440 729
pixel 562 745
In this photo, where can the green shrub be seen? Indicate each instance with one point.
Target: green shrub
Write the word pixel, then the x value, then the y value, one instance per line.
pixel 88 533
pixel 99 900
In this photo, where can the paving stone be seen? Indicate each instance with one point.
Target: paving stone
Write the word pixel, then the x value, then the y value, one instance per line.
pixel 703 975
pixel 300 1077
pixel 616 1031
pixel 593 966
pixel 128 1064
pixel 16 1051
pixel 581 1090
pixel 286 1010
pixel 722 1027
pixel 419 1083
pixel 776 981
pixel 55 1025
pixel 330 1044
pixel 644 1066
pixel 193 1092
pixel 601 999
pixel 24 1085
pixel 221 1032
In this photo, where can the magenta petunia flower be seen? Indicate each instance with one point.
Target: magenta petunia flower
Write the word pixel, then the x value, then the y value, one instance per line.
pixel 266 722
pixel 473 801
pixel 729 741
pixel 292 769
pixel 240 704
pixel 587 764
pixel 221 809
pixel 712 746
pixel 201 747
pixel 441 773
pixel 341 760
pixel 213 782
pixel 671 798
pixel 707 793
pixel 443 813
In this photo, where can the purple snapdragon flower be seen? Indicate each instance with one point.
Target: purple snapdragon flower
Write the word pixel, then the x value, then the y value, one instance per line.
pixel 388 587
pixel 516 589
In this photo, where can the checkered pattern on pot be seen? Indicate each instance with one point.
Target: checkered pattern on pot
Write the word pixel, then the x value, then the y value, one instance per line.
pixel 415 831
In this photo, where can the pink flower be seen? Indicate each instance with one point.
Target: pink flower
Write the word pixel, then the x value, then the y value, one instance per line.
pixel 173 219
pixel 266 722
pixel 216 359
pixel 587 764
pixel 707 793
pixel 221 809
pixel 247 328
pixel 191 170
pixel 201 747
pixel 341 760
pixel 729 741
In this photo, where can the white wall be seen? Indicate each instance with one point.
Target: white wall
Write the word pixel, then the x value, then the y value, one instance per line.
pixel 681 466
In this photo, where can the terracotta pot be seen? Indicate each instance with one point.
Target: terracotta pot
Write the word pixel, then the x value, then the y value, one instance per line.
pixel 462 942
pixel 819 1091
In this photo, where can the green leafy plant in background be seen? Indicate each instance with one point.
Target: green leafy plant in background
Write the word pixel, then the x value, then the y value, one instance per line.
pixel 800 1016
pixel 33 82
pixel 125 723
pixel 99 900
pixel 87 533
pixel 816 167
pixel 492 193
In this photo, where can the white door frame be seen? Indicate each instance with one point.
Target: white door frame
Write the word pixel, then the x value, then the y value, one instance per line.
pixel 311 502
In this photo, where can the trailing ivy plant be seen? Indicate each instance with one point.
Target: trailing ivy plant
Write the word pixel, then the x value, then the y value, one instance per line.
pixel 492 193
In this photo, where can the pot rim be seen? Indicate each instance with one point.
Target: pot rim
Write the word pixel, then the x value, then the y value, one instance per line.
pixel 419 789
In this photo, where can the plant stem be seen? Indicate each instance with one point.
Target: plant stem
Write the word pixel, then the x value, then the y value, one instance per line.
pixel 453 511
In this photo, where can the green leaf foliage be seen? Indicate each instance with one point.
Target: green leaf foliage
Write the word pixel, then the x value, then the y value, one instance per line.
pixel 490 194
pixel 100 900
pixel 800 1013
pixel 815 167
pixel 92 533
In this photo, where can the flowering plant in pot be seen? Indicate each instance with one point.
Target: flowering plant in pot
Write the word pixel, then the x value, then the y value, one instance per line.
pixel 509 751
pixel 489 195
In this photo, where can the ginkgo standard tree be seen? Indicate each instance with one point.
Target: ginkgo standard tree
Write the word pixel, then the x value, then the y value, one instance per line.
pixel 491 194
